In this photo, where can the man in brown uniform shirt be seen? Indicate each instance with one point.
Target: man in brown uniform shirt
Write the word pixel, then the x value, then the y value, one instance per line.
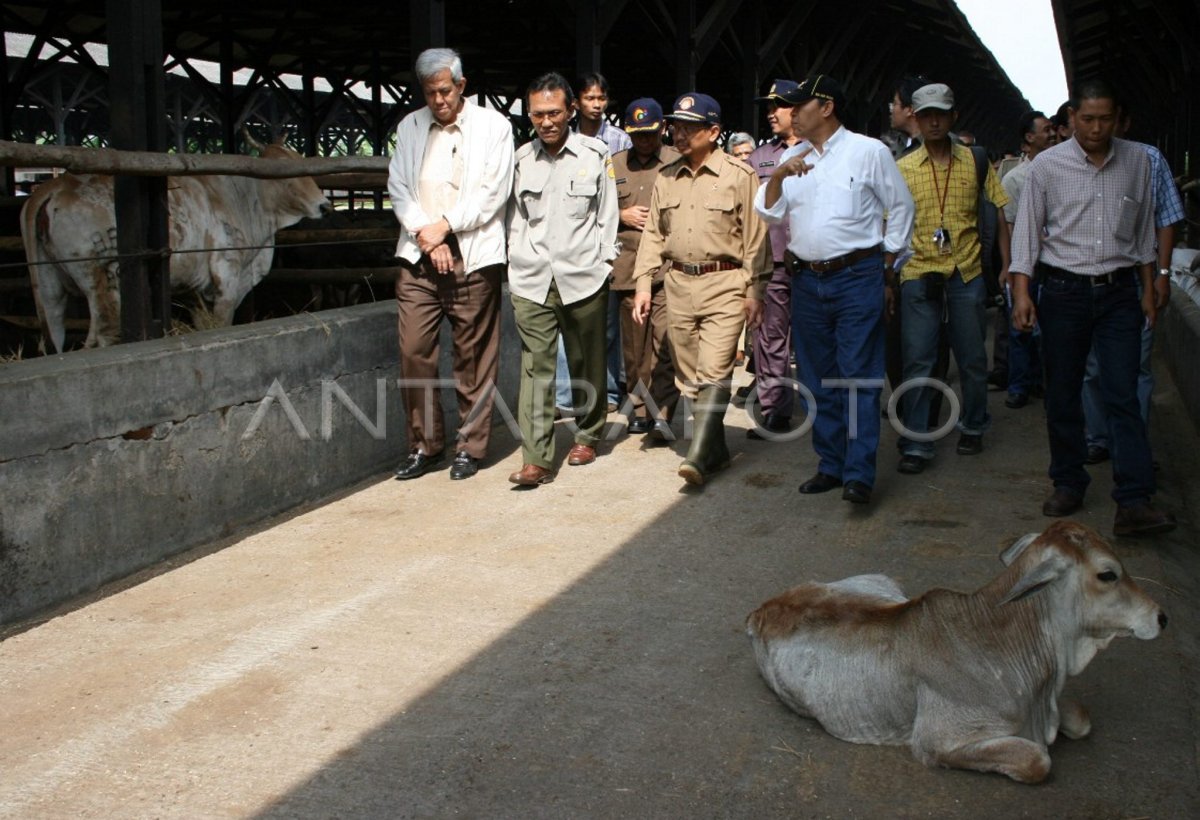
pixel 702 221
pixel 649 369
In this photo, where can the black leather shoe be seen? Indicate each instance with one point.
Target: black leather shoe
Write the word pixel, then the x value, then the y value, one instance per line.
pixel 771 423
pixel 820 483
pixel 998 380
pixel 639 425
pixel 856 493
pixel 417 464
pixel 969 445
pixel 661 432
pixel 911 465
pixel 1016 401
pixel 1063 502
pixel 464 466
pixel 1096 454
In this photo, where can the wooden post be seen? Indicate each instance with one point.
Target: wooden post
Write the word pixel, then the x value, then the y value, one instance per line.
pixel 427 25
pixel 138 117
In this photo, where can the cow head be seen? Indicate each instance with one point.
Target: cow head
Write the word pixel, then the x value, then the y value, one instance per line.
pixel 298 196
pixel 1076 576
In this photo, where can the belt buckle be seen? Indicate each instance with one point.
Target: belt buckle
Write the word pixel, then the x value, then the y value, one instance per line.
pixel 693 268
pixel 1102 280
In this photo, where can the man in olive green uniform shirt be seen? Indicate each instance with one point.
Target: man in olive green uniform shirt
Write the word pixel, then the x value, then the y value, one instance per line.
pixel 703 224
pixel 562 239
pixel 648 366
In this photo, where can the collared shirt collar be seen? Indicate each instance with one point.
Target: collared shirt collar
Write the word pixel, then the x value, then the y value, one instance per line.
pixel 835 139
pixel 712 164
pixel 1082 154
pixel 634 162
pixel 571 145
pixel 923 152
pixel 463 114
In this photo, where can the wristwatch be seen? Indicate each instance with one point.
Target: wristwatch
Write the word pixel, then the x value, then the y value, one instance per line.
pixel 1164 271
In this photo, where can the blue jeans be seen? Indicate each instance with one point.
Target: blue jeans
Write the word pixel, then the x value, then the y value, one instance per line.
pixel 1095 419
pixel 1024 360
pixel 837 333
pixel 1075 318
pixel 962 304
pixel 615 361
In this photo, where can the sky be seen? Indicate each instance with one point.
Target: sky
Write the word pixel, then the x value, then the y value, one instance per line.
pixel 1022 37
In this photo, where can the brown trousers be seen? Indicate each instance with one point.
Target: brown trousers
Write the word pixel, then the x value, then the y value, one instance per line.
pixel 472 304
pixel 649 367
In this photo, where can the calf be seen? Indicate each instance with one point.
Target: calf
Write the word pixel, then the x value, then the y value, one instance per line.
pixel 968 681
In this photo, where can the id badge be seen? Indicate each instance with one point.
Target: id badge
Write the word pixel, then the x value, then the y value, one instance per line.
pixel 941 240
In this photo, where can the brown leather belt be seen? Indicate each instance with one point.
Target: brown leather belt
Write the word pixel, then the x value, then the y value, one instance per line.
pixel 701 268
pixel 827 265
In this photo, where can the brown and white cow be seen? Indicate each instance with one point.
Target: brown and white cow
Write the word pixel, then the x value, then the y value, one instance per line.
pixel 968 681
pixel 72 218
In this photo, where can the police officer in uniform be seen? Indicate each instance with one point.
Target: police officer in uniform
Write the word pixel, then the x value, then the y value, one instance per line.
pixel 772 341
pixel 702 222
pixel 649 369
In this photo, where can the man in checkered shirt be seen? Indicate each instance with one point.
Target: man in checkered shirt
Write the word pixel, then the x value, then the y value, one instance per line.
pixel 1085 227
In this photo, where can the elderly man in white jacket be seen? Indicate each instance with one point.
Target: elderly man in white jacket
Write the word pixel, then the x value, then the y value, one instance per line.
pixel 449 180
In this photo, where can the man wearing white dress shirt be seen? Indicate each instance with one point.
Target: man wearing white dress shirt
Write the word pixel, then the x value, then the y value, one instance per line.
pixel 834 188
pixel 449 180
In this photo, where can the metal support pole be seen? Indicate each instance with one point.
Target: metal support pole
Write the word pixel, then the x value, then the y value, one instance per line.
pixel 428 25
pixel 587 49
pixel 138 120
pixel 685 51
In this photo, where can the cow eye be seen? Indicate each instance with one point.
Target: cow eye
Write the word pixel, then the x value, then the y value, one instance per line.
pixel 1108 576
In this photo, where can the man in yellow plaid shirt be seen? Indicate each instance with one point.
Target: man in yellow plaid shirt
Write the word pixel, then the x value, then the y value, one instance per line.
pixel 943 281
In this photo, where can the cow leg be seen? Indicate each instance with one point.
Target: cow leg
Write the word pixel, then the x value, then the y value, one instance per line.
pixel 104 304
pixel 1021 759
pixel 1074 721
pixel 51 303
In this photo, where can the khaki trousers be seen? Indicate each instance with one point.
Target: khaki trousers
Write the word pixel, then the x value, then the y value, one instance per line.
pixel 583 326
pixel 472 304
pixel 649 367
pixel 705 315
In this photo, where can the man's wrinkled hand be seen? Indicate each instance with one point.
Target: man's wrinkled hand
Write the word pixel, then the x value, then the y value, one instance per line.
pixel 754 310
pixel 432 235
pixel 641 307
pixel 442 258
pixel 635 216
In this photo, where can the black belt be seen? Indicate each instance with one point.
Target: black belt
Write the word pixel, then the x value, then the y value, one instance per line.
pixel 1110 278
pixel 701 268
pixel 826 265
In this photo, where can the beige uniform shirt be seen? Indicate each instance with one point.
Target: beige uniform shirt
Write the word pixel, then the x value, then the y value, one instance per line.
pixel 562 220
pixel 707 216
pixel 635 183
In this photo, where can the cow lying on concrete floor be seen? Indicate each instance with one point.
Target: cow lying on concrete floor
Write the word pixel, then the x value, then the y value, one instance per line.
pixel 968 681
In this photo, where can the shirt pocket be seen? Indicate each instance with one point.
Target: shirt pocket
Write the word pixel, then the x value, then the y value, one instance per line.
pixel 1127 214
pixel 718 212
pixel 668 213
pixel 843 200
pixel 580 197
pixel 531 194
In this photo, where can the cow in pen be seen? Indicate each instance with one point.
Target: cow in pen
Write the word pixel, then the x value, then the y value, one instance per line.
pixel 222 230
pixel 967 681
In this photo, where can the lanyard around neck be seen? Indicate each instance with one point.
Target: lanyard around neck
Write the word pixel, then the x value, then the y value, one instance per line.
pixel 942 195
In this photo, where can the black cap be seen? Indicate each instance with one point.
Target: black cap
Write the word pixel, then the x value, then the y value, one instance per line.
pixel 821 87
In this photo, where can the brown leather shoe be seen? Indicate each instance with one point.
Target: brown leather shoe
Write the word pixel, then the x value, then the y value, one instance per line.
pixel 1063 502
pixel 1142 519
pixel 581 454
pixel 532 475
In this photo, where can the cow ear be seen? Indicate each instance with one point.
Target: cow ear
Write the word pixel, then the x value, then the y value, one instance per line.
pixel 1036 579
pixel 1017 547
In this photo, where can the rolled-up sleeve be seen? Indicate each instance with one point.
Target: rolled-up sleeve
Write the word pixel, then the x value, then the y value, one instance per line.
pixel 777 212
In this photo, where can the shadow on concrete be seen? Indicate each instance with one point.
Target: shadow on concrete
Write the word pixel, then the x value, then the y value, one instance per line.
pixel 634 692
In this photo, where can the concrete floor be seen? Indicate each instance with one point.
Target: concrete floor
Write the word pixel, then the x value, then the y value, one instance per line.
pixel 438 649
